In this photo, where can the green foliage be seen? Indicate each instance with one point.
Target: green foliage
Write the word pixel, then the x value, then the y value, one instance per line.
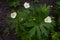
pixel 14 3
pixel 30 25
pixel 55 36
pixel 58 12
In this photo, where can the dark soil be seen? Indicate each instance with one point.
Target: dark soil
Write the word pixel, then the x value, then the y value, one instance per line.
pixel 5 9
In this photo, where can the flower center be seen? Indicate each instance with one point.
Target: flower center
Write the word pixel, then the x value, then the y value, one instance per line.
pixel 46 19
pixel 26 5
pixel 13 14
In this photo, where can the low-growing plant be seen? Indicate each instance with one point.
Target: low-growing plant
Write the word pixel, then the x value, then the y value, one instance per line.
pixel 33 23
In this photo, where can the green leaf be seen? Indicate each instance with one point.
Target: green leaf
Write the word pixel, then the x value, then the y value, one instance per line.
pixel 55 36
pixel 32 31
pixel 43 30
pixel 38 33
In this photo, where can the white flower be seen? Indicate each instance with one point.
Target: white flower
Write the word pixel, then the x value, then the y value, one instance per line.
pixel 48 19
pixel 13 15
pixel 26 5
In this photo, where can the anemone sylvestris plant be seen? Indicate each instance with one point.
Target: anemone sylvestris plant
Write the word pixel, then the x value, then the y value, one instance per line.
pixel 31 22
